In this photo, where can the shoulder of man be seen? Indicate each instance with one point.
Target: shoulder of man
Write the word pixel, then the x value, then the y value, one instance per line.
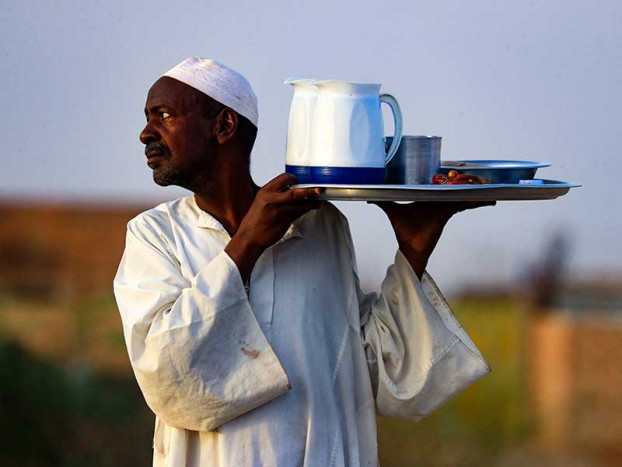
pixel 157 226
pixel 166 214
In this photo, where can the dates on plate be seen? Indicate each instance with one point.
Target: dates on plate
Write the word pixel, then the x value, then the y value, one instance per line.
pixel 455 178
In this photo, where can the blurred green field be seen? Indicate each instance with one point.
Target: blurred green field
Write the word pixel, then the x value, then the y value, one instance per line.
pixel 69 397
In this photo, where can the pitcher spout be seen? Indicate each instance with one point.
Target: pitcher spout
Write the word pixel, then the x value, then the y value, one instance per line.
pixel 299 81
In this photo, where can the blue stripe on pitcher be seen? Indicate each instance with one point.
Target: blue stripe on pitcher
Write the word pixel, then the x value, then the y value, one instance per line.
pixel 338 175
pixel 347 175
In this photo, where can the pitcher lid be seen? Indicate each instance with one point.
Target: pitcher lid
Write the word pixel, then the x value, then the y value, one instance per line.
pixel 348 87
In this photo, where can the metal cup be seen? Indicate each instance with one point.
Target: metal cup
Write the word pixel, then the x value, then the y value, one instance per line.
pixel 416 161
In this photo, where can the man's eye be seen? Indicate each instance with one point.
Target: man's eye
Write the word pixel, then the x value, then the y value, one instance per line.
pixel 164 115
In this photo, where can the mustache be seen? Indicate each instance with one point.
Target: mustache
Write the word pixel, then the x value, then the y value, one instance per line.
pixel 158 148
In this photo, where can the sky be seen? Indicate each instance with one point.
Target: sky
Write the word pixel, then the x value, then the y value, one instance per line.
pixel 533 80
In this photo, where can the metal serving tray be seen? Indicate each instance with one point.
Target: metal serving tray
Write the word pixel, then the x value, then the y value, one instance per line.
pixel 548 189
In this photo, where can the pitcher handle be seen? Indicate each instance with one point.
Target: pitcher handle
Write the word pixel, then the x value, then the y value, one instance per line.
pixel 397 119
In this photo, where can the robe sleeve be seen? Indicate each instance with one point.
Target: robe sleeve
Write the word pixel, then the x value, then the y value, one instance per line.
pixel 419 357
pixel 196 348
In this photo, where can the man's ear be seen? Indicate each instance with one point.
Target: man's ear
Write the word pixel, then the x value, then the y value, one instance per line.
pixel 226 125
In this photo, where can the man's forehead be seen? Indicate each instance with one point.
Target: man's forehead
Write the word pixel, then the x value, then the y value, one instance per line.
pixel 169 90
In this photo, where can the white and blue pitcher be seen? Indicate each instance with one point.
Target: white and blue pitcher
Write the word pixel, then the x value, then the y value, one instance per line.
pixel 336 132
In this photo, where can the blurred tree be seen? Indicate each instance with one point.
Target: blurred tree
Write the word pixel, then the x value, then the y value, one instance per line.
pixel 545 277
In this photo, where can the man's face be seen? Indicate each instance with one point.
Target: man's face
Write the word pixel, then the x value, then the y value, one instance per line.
pixel 177 137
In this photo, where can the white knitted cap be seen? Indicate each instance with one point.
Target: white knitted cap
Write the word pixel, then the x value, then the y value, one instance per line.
pixel 219 82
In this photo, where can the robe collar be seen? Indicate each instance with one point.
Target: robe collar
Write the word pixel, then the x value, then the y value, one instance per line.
pixel 207 221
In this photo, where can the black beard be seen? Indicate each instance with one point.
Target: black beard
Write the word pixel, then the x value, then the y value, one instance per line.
pixel 169 176
pixel 166 175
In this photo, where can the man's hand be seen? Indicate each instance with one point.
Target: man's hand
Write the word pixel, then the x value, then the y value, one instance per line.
pixel 274 209
pixel 418 226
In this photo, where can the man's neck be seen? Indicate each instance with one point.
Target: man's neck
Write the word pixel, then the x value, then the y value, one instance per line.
pixel 230 200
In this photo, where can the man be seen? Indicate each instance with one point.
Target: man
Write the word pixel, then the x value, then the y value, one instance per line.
pixel 243 316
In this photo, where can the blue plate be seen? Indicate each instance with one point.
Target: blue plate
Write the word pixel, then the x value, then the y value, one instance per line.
pixel 497 171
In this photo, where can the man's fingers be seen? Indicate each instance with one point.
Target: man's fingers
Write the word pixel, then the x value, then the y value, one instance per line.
pixel 281 186
pixel 298 194
pixel 281 182
pixel 449 208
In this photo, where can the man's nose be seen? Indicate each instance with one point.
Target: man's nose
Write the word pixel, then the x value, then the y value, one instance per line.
pixel 149 134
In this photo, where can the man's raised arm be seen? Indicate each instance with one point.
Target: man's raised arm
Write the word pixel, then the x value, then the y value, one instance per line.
pixel 197 351
pixel 418 355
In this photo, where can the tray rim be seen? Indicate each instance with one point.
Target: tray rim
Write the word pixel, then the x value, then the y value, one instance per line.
pixel 548 184
pixel 550 189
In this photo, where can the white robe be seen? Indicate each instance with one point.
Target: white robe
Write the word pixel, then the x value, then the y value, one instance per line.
pixel 294 373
